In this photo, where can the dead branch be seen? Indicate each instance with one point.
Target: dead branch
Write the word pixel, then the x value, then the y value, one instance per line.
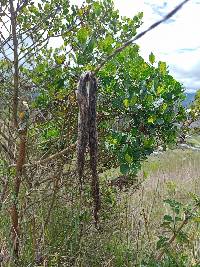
pixel 46 160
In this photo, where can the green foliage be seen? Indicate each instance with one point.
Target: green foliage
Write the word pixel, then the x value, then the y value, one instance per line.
pixel 146 98
pixel 138 103
pixel 194 111
pixel 138 108
pixel 174 225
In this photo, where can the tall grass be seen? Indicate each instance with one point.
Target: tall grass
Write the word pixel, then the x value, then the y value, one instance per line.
pixel 58 230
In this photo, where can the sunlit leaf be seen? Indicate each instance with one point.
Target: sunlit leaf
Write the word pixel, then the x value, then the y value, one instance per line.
pixel 152 58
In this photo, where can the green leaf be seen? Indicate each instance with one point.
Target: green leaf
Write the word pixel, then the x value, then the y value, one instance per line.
pixel 178 219
pixel 164 107
pixel 124 168
pixel 97 8
pixel 91 45
pixel 175 205
pixel 107 43
pixel 182 237
pixel 162 242
pixel 52 133
pixel 162 67
pixel 152 58
pixel 168 218
pixel 196 219
pixel 160 89
pixel 166 224
pixel 126 103
pixel 128 158
pixel 151 119
pixel 149 99
pixel 82 35
pixel 60 59
pixel 133 100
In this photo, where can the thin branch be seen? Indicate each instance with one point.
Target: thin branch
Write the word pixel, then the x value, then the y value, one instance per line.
pixel 6 43
pixel 7 151
pixel 40 42
pixel 2 50
pixel 138 36
pixel 50 158
pixel 38 25
pixel 3 12
pixel 34 53
pixel 35 44
pixel 24 3
pixel 5 26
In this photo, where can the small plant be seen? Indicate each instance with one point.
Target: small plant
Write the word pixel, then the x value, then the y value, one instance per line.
pixel 175 231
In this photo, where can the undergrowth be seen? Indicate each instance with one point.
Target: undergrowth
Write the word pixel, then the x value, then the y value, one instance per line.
pixel 157 224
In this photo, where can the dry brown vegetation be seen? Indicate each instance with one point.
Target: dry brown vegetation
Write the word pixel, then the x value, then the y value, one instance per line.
pixel 60 232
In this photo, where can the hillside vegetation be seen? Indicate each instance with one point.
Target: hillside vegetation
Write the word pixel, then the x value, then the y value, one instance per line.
pixel 91 167
pixel 132 221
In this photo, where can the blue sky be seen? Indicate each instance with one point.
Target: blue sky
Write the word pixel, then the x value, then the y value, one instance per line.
pixel 177 42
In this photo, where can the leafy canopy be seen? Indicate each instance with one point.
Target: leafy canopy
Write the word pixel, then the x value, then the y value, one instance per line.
pixel 139 103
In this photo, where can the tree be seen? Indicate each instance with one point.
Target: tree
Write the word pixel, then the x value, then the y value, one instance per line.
pixel 195 107
pixel 191 122
pixel 138 105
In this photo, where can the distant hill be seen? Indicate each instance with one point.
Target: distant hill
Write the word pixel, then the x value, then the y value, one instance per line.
pixel 189 98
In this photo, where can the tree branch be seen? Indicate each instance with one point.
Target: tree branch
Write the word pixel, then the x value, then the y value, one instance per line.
pixel 50 158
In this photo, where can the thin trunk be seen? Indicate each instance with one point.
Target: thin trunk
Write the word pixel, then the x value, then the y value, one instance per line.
pixel 16 63
pixel 22 134
pixel 16 189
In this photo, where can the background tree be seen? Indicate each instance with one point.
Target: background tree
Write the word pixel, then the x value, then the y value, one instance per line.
pixel 195 107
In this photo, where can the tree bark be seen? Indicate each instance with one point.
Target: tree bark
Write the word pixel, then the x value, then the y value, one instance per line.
pixel 16 63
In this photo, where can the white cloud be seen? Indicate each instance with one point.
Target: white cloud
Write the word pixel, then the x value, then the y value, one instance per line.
pixel 176 42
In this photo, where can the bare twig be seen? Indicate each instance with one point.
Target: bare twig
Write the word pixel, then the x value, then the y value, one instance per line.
pixel 24 3
pixel 50 158
pixel 8 151
pixel 2 50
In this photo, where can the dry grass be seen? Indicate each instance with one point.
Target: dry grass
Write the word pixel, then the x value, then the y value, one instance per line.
pixel 171 175
pixel 130 221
